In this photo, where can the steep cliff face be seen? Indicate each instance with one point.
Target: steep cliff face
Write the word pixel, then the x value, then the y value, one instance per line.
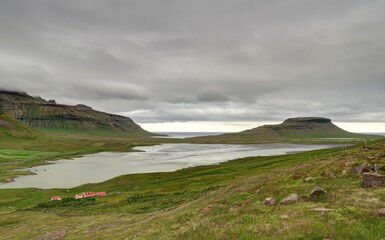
pixel 39 113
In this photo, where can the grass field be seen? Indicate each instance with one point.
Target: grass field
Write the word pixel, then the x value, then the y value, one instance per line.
pixel 221 201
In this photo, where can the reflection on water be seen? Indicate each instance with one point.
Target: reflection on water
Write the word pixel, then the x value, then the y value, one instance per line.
pixel 161 158
pixel 186 134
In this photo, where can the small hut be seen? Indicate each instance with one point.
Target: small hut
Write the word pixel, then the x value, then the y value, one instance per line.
pixel 55 198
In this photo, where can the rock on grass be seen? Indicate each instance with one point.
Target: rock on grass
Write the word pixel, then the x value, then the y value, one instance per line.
pixel 292 198
pixel 269 201
pixel 317 192
pixel 363 168
pixel 373 180
pixel 380 212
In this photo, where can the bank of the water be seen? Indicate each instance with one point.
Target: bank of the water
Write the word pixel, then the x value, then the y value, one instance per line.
pixel 160 158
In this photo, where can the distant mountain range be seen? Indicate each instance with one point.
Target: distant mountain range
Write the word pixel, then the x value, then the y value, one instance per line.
pixel 41 114
pixel 291 129
pixel 22 114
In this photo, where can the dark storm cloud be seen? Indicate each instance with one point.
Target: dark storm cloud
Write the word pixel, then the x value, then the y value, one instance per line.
pixel 216 60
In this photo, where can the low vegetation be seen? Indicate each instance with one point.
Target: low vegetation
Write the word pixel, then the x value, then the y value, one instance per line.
pixel 10 127
pixel 66 203
pixel 223 201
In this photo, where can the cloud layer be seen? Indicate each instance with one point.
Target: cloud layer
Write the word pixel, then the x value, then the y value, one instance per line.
pixel 216 60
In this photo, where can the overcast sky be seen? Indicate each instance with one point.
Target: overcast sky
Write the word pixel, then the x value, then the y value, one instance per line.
pixel 210 62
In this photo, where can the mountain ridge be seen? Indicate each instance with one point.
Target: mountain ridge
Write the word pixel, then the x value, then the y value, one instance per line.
pixel 38 113
pixel 299 125
pixel 300 128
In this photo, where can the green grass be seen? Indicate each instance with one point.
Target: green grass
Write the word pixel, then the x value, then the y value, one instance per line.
pixel 18 154
pixel 94 133
pixel 217 202
pixel 10 127
pixel 221 201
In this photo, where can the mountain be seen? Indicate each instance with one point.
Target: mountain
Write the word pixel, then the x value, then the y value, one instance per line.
pixel 301 128
pixel 38 113
pixel 10 127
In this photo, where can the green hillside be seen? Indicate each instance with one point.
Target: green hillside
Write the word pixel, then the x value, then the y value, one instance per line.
pixel 223 201
pixel 10 127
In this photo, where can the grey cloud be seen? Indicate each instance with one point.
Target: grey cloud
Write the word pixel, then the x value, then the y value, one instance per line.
pixel 103 90
pixel 216 60
pixel 212 97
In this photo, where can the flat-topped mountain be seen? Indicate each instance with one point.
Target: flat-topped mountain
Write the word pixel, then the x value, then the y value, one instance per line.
pixel 38 113
pixel 301 128
pixel 298 126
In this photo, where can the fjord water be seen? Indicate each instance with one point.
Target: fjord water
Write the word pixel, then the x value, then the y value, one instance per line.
pixel 186 134
pixel 160 158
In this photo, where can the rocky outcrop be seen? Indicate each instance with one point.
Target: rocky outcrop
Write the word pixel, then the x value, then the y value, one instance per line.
pixel 373 180
pixel 269 201
pixel 317 192
pixel 292 198
pixel 380 212
pixel 379 167
pixel 39 113
pixel 363 168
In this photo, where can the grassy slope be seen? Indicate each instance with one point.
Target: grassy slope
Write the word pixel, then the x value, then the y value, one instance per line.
pixel 10 127
pixel 213 202
pixel 87 133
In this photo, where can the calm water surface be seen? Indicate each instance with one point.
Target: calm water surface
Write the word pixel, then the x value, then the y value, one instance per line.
pixel 186 134
pixel 161 158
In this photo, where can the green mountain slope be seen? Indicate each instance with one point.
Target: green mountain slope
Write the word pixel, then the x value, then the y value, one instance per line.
pixel 48 115
pixel 302 128
pixel 10 127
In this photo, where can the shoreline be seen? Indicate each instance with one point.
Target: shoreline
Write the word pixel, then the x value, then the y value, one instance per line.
pixel 47 162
